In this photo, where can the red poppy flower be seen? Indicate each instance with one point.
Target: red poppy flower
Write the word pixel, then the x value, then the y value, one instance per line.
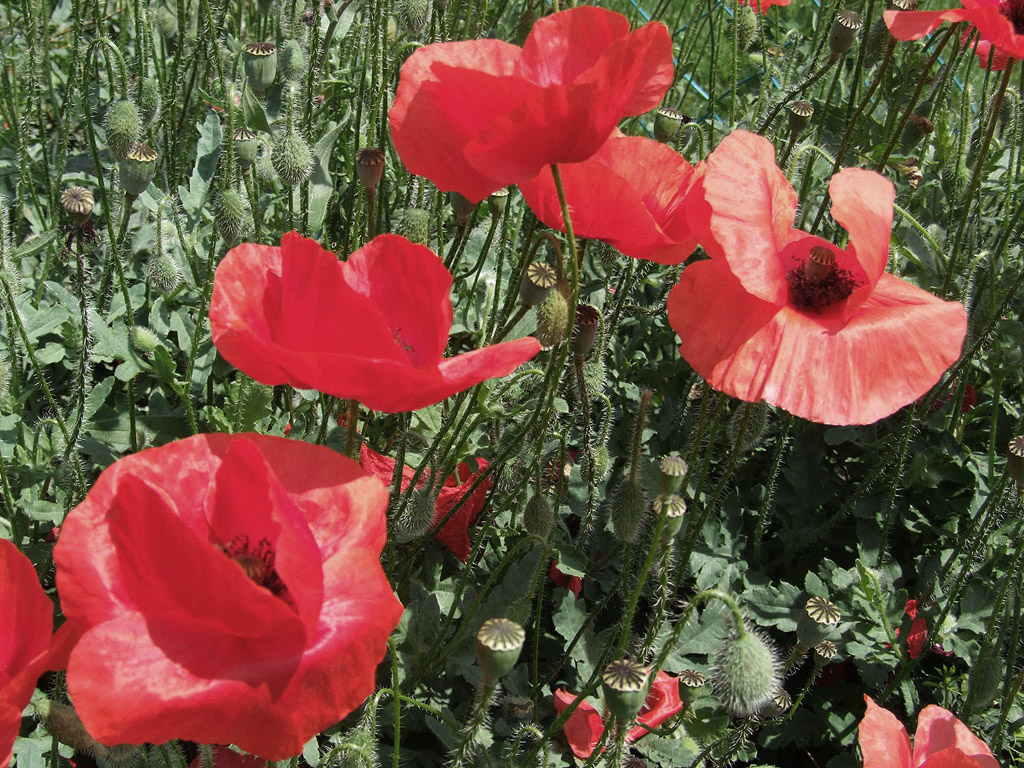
pixel 584 727
pixel 455 533
pixel 762 6
pixel 785 317
pixel 372 329
pixel 572 583
pixel 941 741
pixel 638 195
pixel 226 758
pixel 479 115
pixel 227 589
pixel 1000 25
pixel 27 648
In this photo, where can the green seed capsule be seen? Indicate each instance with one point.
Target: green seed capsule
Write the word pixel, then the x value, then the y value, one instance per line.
pixel 260 65
pixel 247 146
pixel 137 170
pixel 624 685
pixel 498 645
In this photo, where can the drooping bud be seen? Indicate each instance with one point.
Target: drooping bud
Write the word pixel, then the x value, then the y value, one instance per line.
pixel 552 319
pixel 167 23
pixel 746 672
pixel 78 202
pixel 1015 460
pixel 538 280
pixel 293 61
pixel 747 426
pixel 624 685
pixel 844 32
pixel 370 168
pixel 585 329
pixel 144 340
pixel 414 15
pixel 260 66
pixel 674 509
pixel 122 127
pixel 292 159
pixel 137 170
pixel 414 225
pixel 595 464
pixel 162 272
pixel 800 113
pixel 628 508
pixel 744 22
pixel 667 124
pixel 820 263
pixel 462 207
pixel 63 723
pixel 497 202
pixel 691 683
pixel 247 145
pixel 672 470
pixel 147 94
pixel 538 517
pixel 498 644
pixel 817 621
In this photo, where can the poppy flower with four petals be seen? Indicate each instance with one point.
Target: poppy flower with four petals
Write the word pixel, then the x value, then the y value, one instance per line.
pixel 638 195
pixel 1000 25
pixel 584 727
pixel 225 589
pixel 478 115
pixel 373 328
pixel 788 318
pixel 941 741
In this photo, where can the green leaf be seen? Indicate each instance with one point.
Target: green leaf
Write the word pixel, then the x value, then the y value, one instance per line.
pixel 252 111
pixel 164 366
pixel 35 245
pixel 208 151
pixel 321 186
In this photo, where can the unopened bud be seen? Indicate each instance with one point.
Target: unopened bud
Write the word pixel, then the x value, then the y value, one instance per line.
pixel 122 127
pixel 552 319
pixel 746 673
pixel 628 508
pixel 293 61
pixel 414 225
pixel 538 517
pixel 292 159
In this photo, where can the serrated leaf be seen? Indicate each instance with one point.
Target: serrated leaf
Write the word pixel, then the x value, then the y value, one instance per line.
pixel 35 245
pixel 208 150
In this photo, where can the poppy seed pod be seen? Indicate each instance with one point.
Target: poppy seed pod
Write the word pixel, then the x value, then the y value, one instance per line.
pixel 826 649
pixel 844 32
pixel 498 645
pixel 137 170
pixel 691 683
pixel 800 113
pixel 370 168
pixel 624 685
pixel 122 126
pixel 588 321
pixel 674 509
pixel 779 703
pixel 817 620
pixel 462 206
pixel 247 144
pixel 667 124
pixel 78 202
pixel 1015 460
pixel 497 201
pixel 538 280
pixel 746 673
pixel 672 469
pixel 292 159
pixel 260 66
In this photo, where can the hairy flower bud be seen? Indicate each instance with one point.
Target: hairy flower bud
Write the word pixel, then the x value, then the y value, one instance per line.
pixel 744 22
pixel 232 216
pixel 746 675
pixel 628 509
pixel 122 127
pixel 292 61
pixel 292 159
pixel 552 319
pixel 147 94
pixel 538 517
pixel 414 15
pixel 414 225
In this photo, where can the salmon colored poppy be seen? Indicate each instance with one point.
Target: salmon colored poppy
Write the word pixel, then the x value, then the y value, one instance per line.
pixel 638 195
pixel 1000 25
pixel 227 589
pixel 27 645
pixel 788 318
pixel 941 741
pixel 455 533
pixel 372 329
pixel 478 115
pixel 584 727
pixel 762 6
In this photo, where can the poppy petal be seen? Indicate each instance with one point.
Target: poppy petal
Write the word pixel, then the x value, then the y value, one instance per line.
pixel 753 210
pixel 913 25
pixel 939 730
pixel 662 703
pixel 584 727
pixel 862 203
pixel 995 29
pixel 455 533
pixel 884 742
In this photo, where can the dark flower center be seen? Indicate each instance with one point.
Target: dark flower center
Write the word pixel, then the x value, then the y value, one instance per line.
pixel 817 283
pixel 1014 11
pixel 257 561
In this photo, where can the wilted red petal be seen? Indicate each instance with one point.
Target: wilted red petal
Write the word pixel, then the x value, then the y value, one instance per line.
pixel 572 583
pixel 584 727
pixel 940 734
pixel 916 636
pixel 753 207
pixel 662 702
pixel 372 329
pixel 634 194
pixel 179 640
pixel 883 739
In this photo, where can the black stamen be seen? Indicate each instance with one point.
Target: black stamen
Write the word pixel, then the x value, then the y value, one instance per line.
pixel 816 295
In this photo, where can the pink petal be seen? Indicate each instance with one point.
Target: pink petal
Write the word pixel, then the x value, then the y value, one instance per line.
pixel 939 729
pixel 883 739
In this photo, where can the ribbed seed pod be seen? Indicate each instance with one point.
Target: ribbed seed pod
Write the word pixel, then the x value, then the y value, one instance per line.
pixel 817 621
pixel 624 685
pixel 292 159
pixel 122 127
pixel 137 170
pixel 247 146
pixel 260 61
pixel 667 124
pixel 77 201
pixel 844 32
pixel 498 645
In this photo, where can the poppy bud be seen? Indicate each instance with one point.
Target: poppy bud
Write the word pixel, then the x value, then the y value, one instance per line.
pixel 498 644
pixel 585 329
pixel 538 517
pixel 746 672
pixel 691 682
pixel 538 280
pixel 163 274
pixel 1015 460
pixel 137 170
pixel 392 30
pixel 293 61
pixel 987 676
pixel 918 126
pixel 844 32
pixel 167 23
pixel 779 703
pixel 667 124
pixel 63 723
pixel 594 464
pixel 147 94
pixel 624 685
pixel 462 207
pixel 419 515
pixel 672 470
pixel 232 216
pixel 122 127
pixel 247 144
pixel 552 319
pixel 370 168
pixel 497 201
pixel 954 177
pixel 744 23
pixel 826 649
pixel 260 66
pixel 800 113
pixel 144 340
pixel 628 508
pixel 292 159
pixel 674 508
pixel 817 620
pixel 78 202
pixel 414 14
pixel 414 225
pixel 747 426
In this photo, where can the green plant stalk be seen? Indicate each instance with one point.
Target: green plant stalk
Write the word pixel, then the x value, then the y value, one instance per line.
pixel 796 91
pixel 769 496
pixel 890 500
